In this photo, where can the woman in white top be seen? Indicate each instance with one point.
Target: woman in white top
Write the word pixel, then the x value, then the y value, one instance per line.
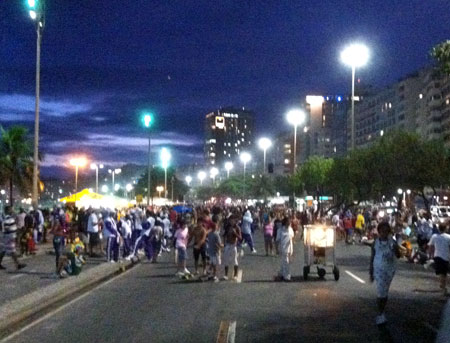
pixel 440 250
pixel 385 252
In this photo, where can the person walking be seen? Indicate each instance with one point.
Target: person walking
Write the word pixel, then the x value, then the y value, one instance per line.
pixel 8 238
pixel 439 247
pixel 112 238
pixel 181 241
pixel 284 239
pixel 214 246
pixel 385 251
pixel 268 236
pixel 199 236
pixel 247 221
pixel 93 232
pixel 231 237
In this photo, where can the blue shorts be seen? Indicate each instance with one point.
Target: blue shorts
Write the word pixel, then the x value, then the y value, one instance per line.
pixel 181 254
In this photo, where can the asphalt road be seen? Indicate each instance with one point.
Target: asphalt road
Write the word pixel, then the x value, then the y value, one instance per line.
pixel 149 304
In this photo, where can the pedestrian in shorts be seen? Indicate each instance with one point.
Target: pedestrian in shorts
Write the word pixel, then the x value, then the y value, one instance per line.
pixel 214 246
pixel 440 251
pixel 231 237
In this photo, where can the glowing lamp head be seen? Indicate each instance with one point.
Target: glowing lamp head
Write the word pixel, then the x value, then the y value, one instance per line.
pixel 245 157
pixel 399 191
pixel 213 172
pixel 31 3
pixel 201 175
pixel 296 117
pixel 264 143
pixel 128 187
pixel 147 119
pixel 33 15
pixel 355 55
pixel 188 179
pixel 78 162
pixel 94 166
pixel 228 166
pixel 104 188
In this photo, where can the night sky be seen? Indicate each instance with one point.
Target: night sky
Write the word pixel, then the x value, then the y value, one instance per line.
pixel 104 61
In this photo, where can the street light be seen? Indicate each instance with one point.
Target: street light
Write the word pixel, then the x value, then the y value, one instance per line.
pixel 159 189
pixel 188 180
pixel 165 159
pixel 201 176
pixel 114 172
pixel 147 120
pixel 228 167
pixel 295 117
pixel 355 56
pixel 96 167
pixel 105 189
pixel 264 144
pixel 77 162
pixel 245 158
pixel 36 12
pixel 213 173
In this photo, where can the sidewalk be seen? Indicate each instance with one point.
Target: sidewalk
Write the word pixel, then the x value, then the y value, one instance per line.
pixel 34 289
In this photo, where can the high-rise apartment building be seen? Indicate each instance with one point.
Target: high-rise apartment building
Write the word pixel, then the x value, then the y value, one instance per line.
pixel 228 132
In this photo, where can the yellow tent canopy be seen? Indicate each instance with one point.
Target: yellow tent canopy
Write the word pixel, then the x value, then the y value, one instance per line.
pixel 85 194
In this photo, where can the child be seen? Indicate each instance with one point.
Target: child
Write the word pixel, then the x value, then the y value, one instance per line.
pixel 440 250
pixel 385 250
pixel 231 236
pixel 214 246
pixel 268 237
pixel 284 240
pixel 181 237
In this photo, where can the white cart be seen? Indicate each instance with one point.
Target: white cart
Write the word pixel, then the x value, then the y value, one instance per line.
pixel 320 244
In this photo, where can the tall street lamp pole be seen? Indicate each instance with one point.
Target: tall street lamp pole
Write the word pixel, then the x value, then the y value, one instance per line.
pixel 147 119
pixel 355 55
pixel 245 158
pixel 295 117
pixel 228 167
pixel 36 12
pixel 77 163
pixel 165 159
pixel 264 144
pixel 96 167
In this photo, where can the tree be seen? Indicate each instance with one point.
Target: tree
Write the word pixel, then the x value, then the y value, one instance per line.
pixel 441 52
pixel 262 187
pixel 16 160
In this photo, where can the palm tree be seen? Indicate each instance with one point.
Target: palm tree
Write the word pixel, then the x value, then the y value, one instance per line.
pixel 16 159
pixel 441 52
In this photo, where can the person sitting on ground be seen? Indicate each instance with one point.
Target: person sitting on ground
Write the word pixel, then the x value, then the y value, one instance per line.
pixel 71 263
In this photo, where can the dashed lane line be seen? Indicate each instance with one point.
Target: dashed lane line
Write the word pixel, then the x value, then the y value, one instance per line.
pixel 355 277
pixel 227 332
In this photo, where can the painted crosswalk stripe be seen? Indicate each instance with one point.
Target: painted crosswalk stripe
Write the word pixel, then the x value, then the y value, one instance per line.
pixel 227 332
pixel 355 277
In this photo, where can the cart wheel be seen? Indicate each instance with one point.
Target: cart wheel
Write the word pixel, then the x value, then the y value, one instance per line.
pixel 336 273
pixel 321 272
pixel 305 272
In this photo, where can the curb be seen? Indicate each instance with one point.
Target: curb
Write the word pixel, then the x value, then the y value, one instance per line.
pixel 443 335
pixel 14 312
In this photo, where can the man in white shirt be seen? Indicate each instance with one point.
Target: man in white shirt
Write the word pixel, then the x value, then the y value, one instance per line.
pixel 93 232
pixel 439 246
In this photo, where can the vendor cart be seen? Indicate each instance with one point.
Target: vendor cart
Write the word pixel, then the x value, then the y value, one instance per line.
pixel 320 245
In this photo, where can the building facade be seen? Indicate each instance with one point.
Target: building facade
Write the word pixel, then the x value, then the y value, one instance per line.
pixel 228 132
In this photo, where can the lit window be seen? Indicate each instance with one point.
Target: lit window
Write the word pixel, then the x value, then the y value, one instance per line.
pixel 381 133
pixel 212 161
pixel 212 154
pixel 224 152
pixel 286 161
pixel 420 96
pixel 390 105
pixel 229 144
pixel 287 146
pixel 243 139
pixel 224 144
pixel 447 102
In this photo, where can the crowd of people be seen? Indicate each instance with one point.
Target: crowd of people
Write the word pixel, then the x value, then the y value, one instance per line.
pixel 218 236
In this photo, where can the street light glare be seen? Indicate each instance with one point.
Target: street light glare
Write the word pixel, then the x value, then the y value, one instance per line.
pixel 104 188
pixel 355 55
pixel 201 175
pixel 213 172
pixel 188 179
pixel 78 161
pixel 147 120
pixel 33 15
pixel 264 143
pixel 93 166
pixel 296 117
pixel 32 3
pixel 128 187
pixel 228 166
pixel 165 157
pixel 245 157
